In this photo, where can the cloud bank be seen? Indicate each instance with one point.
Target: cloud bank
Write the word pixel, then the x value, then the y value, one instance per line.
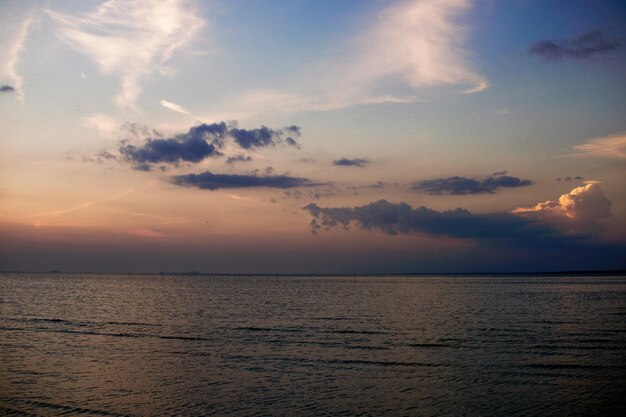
pixel 463 185
pixel 130 40
pixel 585 46
pixel 545 225
pixel 209 181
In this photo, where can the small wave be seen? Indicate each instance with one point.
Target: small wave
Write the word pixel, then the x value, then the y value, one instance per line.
pixel 64 409
pixel 269 329
pixel 557 366
pixel 90 333
pixel 353 332
pixel 429 345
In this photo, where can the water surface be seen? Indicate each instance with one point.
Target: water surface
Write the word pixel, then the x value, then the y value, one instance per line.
pixel 162 345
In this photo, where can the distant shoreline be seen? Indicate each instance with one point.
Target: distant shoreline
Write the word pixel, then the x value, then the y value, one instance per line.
pixel 407 274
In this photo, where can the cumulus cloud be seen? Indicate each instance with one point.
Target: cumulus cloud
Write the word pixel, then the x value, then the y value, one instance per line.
pixel 587 45
pixel 13 35
pixel 579 211
pixel 613 147
pixel 356 162
pixel 130 40
pixel 210 181
pixel 463 185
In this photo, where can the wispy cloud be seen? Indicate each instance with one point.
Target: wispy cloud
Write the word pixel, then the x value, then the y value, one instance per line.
pixel 13 36
pixel 417 43
pixel 177 108
pixel 107 126
pixel 613 146
pixel 410 45
pixel 587 45
pixel 130 39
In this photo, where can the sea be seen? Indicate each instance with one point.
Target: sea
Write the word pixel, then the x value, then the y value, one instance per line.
pixel 145 345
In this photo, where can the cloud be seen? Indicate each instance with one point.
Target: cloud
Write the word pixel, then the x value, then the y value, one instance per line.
pixel 13 34
pixel 551 224
pixel 356 162
pixel 587 45
pixel 578 211
pixel 264 136
pixel 189 147
pixel 176 107
pixel 238 158
pixel 613 146
pixel 106 125
pixel 130 40
pixel 405 48
pixel 568 178
pixel 209 181
pixel 200 142
pixel 414 43
pixel 463 185
pixel 401 218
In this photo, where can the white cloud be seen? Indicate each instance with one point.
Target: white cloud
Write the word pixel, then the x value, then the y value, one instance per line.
pixel 578 211
pixel 107 126
pixel 131 39
pixel 411 46
pixel 417 42
pixel 13 34
pixel 613 146
pixel 176 107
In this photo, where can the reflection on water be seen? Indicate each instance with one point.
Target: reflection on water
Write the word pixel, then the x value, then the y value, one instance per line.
pixel 145 345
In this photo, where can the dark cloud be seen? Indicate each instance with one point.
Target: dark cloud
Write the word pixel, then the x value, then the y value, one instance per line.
pixel 356 162
pixel 394 219
pixel 192 146
pixel 568 178
pixel 238 158
pixel 585 46
pixel 209 181
pixel 463 185
pixel 316 193
pixel 199 143
pixel 264 136
pixel 7 89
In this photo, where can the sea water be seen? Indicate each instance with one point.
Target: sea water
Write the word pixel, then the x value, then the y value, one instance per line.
pixel 257 345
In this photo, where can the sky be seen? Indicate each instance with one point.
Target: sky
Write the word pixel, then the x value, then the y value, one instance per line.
pixel 312 136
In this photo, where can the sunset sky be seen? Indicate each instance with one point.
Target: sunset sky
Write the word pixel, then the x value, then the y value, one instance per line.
pixel 302 136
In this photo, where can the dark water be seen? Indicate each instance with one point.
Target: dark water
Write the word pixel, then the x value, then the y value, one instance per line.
pixel 162 345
